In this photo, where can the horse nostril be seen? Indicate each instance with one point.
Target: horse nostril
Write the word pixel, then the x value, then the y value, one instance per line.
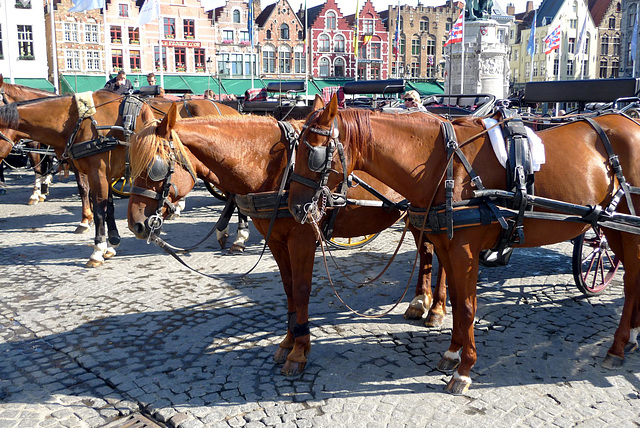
pixel 296 211
pixel 139 230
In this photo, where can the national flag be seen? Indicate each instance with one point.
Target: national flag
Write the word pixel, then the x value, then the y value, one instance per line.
pixel 250 22
pixel 82 5
pixel 552 41
pixel 581 37
pixel 455 35
pixel 148 12
pixel 531 47
pixel 634 40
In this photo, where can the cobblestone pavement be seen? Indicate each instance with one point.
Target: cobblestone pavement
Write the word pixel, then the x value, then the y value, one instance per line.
pixel 83 347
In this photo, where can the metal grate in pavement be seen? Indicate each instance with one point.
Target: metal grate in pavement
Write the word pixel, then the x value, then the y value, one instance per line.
pixel 135 420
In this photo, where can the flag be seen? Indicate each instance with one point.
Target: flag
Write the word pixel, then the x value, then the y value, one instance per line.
pixel 82 5
pixel 634 40
pixel 552 41
pixel 582 37
pixel 355 39
pixel 208 4
pixel 396 40
pixel 366 40
pixel 455 35
pixel 250 22
pixel 531 47
pixel 148 12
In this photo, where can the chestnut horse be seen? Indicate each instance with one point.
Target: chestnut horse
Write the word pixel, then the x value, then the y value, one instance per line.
pixel 249 154
pixel 409 154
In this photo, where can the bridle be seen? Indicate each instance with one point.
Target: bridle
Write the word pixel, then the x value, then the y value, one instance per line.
pixel 320 161
pixel 4 103
pixel 161 170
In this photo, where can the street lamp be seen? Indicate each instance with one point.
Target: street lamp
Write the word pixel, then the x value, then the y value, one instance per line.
pixel 136 83
pixel 209 63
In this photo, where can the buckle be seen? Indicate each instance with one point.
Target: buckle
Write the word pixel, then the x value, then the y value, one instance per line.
pixel 448 184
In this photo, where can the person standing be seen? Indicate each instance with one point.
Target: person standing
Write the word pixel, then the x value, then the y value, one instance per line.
pixel 119 84
pixel 151 79
pixel 412 101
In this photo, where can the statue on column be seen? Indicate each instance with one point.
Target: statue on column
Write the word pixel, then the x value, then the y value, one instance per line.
pixel 478 9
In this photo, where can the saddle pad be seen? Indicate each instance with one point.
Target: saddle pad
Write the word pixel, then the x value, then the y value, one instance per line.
pixel 85 104
pixel 499 145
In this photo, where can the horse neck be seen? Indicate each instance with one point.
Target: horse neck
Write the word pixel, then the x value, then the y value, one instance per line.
pixel 49 121
pixel 244 153
pixel 406 153
pixel 18 93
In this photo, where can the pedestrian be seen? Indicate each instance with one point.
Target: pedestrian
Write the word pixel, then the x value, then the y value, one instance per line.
pixel 412 101
pixel 208 94
pixel 151 79
pixel 119 84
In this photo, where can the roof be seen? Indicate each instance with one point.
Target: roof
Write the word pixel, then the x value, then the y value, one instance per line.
pixel 598 9
pixel 313 14
pixel 264 15
pixel 547 11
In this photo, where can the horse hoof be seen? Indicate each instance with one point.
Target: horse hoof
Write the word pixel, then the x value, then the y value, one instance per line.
pixel 32 202
pixel 293 368
pixel 114 240
pixel 237 249
pixel 612 362
pixel 81 228
pixel 281 355
pixel 434 320
pixel 42 198
pixel 448 365
pixel 458 385
pixel 94 263
pixel 223 240
pixel 108 255
pixel 413 313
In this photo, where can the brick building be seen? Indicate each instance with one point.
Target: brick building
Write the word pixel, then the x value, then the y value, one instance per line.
pixel 234 57
pixel 281 42
pixel 373 43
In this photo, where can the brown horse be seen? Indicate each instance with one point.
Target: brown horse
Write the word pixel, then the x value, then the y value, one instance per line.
pixel 249 154
pixel 409 154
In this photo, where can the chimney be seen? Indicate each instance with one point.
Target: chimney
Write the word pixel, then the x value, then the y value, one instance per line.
pixel 511 9
pixel 529 6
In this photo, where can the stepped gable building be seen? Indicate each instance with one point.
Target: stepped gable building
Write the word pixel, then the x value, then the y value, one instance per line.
pixel 234 57
pixel 607 16
pixel 281 42
pixel 423 30
pixel 330 41
pixel 373 43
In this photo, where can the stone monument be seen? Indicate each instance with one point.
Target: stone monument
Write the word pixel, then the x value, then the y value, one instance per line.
pixel 486 63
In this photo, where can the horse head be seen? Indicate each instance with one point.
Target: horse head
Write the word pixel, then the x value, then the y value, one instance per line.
pixel 163 172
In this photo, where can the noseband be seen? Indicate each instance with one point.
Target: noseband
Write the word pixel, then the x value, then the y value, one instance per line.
pixel 161 170
pixel 320 161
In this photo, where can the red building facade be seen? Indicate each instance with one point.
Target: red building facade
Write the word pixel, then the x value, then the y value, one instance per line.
pixel 373 43
pixel 331 42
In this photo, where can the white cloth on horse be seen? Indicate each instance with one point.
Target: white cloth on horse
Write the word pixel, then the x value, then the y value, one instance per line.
pixel 84 102
pixel 499 145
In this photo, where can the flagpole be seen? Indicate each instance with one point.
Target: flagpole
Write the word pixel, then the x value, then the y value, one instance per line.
pixel 107 41
pixel 559 67
pixel 462 59
pixel 397 42
pixel 54 48
pixel 160 51
pixel 356 38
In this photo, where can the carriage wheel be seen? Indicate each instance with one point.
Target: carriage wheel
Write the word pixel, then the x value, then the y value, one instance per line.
pixel 594 264
pixel 119 185
pixel 217 193
pixel 356 242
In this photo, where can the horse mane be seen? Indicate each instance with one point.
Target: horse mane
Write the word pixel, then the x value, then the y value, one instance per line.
pixel 147 145
pixel 357 124
pixel 9 117
pixel 25 92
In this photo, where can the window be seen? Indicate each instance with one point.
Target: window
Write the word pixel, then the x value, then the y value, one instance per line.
pixel 604 45
pixel 570 68
pixel 401 25
pixel 431 70
pixel 284 60
pixel 123 10
pixel 72 59
pixel 236 16
pixel 116 59
pixel 1 49
pixel 70 32
pixel 180 58
pixel 615 68
pixel 431 46
pixel 616 45
pixel 116 34
pixel 585 69
pixel 556 67
pixel 170 28
pixel 300 61
pixel 415 46
pixel 134 36
pixel 300 35
pixel 403 43
pixel 227 36
pixel 198 59
pixel 612 22
pixel 156 58
pixel 223 64
pixel 23 4
pixel 338 43
pixel 603 68
pixel 236 64
pixel 323 43
pixel 93 60
pixel 424 24
pixel 368 26
pixel 244 36
pixel 284 32
pixel 572 45
pixel 415 69
pixel 330 22
pixel 189 28
pixel 249 64
pixel 573 23
pixel 324 67
pixel 447 26
pixel 268 36
pixel 375 73
pixel 376 50
pixel 338 68
pixel 91 33
pixel 25 42
pixel 535 69
pixel 134 60
pixel 585 49
pixel 268 60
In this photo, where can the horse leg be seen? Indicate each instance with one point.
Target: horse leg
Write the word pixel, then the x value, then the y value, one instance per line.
pixel 2 189
pixel 242 236
pixel 113 235
pixel 281 256
pixel 35 197
pixel 100 245
pixel 83 190
pixel 423 297
pixel 46 169
pixel 435 317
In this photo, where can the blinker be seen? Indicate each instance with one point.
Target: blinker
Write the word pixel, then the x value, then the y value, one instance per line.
pixel 318 158
pixel 158 169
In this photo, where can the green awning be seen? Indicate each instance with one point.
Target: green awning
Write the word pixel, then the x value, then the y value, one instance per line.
pixel 239 86
pixel 36 83
pixel 426 88
pixel 74 83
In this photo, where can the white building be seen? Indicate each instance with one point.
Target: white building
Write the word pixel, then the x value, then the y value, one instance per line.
pixel 23 51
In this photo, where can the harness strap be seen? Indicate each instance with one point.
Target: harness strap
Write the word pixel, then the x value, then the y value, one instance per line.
pixel 614 162
pixel 185 105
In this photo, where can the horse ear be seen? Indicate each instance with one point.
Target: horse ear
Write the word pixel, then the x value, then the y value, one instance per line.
pixel 330 111
pixel 168 122
pixel 318 103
